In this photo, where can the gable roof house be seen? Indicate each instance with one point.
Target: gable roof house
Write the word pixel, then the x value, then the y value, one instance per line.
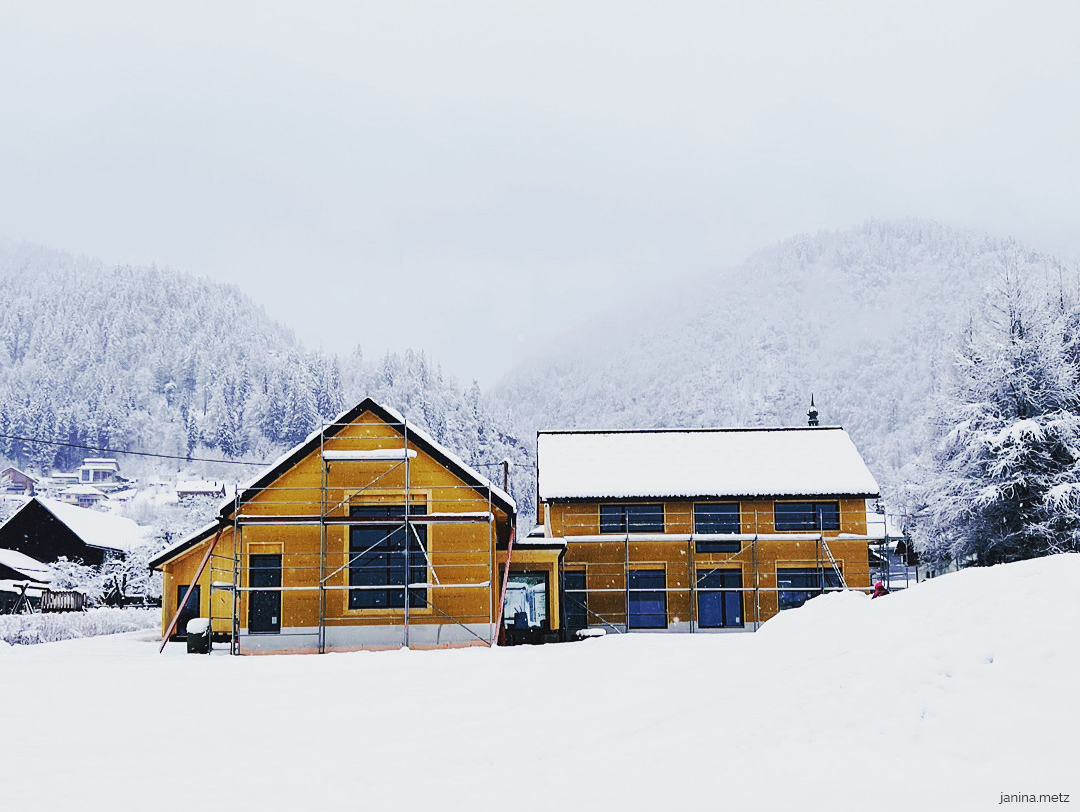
pixel 369 534
pixel 12 480
pixel 700 529
pixel 47 530
pixel 84 496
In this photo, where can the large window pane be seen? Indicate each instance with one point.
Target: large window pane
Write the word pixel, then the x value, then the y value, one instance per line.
pixel 612 518
pixel 797 586
pixel 377 558
pixel 575 599
pixel 648 601
pixel 807 516
pixel 719 609
pixel 632 518
pixel 710 518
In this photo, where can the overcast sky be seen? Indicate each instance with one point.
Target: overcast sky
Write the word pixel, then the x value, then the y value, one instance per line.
pixel 475 178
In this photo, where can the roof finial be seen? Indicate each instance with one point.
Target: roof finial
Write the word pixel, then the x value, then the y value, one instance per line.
pixel 812 414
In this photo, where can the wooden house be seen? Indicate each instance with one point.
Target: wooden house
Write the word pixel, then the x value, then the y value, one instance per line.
pixel 14 481
pixel 47 530
pixel 697 530
pixel 369 534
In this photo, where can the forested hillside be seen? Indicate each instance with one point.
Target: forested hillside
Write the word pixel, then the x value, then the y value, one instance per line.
pixel 865 319
pixel 153 360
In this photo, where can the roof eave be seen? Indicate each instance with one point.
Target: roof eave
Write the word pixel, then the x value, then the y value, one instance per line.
pixel 690 496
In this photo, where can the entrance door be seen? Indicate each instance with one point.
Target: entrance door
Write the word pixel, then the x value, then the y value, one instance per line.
pixel 264 616
pixel 191 609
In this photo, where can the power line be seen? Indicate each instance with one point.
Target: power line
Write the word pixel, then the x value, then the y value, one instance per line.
pixel 130 453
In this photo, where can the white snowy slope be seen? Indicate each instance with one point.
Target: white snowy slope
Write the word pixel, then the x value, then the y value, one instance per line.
pixel 941 697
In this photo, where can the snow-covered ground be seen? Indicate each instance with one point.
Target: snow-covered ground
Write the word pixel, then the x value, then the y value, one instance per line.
pixel 49 628
pixel 941 697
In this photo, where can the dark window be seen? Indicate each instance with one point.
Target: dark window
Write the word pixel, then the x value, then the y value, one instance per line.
pixel 796 587
pixel 632 518
pixel 265 604
pixel 719 609
pixel 377 558
pixel 710 518
pixel 575 599
pixel 807 515
pixel 717 546
pixel 648 601
pixel 191 608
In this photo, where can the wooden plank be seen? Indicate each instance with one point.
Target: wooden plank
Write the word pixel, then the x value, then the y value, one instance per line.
pixel 187 594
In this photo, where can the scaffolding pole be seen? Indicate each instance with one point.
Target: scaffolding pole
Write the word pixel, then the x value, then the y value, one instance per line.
pixel 408 529
pixel 324 472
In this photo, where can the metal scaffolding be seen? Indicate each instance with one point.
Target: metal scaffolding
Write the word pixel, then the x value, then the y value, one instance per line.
pixel 376 472
pixel 608 573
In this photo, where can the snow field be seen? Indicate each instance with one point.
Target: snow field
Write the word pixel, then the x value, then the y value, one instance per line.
pixel 941 697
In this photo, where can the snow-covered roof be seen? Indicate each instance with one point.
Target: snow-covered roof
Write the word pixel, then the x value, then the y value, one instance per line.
pixel 16 587
pixel 200 486
pixel 101 463
pixel 701 462
pixel 23 564
pixel 85 490
pixel 95 528
pixel 13 470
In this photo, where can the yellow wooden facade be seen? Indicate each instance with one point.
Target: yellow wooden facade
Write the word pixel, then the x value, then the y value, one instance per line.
pixel 762 551
pixel 318 483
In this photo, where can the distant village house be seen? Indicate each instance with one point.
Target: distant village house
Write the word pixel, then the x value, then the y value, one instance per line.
pixel 14 481
pixel 98 471
pixel 47 530
pixel 196 489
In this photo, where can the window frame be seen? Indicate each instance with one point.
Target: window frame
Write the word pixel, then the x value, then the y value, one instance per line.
pixel 639 595
pixel 812 507
pixel 737 517
pixel 623 524
pixel 580 596
pixel 827 581
pixel 382 557
pixel 545 576
pixel 724 573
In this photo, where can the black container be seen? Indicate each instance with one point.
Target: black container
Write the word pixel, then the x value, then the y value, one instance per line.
pixel 198 636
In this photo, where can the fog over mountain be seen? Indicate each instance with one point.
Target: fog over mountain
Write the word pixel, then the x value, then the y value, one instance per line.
pixel 864 319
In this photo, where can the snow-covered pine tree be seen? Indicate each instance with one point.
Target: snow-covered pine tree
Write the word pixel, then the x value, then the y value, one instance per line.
pixel 1004 482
